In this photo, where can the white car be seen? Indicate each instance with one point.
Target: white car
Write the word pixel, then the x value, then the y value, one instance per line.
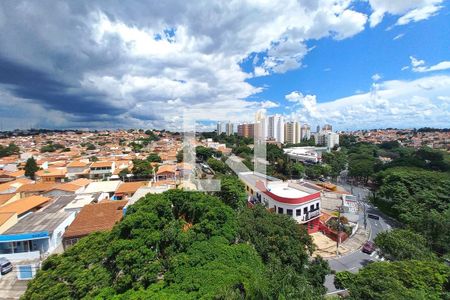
pixel 5 266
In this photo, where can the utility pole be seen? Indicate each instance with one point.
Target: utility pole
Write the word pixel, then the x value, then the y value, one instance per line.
pixel 338 240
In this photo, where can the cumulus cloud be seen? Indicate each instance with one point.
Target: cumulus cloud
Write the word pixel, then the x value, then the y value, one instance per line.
pixel 394 103
pixel 409 11
pixel 96 63
pixel 418 65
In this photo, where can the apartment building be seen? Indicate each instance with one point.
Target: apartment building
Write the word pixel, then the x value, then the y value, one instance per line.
pixel 292 132
pixel 246 130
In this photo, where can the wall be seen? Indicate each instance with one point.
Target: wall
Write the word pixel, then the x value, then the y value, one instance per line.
pixel 57 234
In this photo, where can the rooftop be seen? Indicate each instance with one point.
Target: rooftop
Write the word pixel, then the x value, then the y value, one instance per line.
pixel 96 217
pixel 25 204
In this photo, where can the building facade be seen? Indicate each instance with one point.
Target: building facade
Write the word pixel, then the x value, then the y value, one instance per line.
pixel 292 132
pixel 246 130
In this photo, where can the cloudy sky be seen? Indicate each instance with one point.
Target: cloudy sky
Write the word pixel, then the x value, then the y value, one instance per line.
pixel 104 64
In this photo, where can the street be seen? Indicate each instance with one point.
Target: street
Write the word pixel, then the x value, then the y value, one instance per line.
pixel 352 262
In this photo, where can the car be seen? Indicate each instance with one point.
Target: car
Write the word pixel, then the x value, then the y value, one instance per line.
pixel 372 216
pixel 368 247
pixel 5 266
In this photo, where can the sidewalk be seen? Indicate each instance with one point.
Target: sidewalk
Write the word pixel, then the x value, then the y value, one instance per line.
pixel 327 247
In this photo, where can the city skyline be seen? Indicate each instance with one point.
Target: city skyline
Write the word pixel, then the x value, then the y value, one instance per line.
pixel 353 64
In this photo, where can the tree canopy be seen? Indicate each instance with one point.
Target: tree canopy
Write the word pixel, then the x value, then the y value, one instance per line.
pixel 186 245
pixel 410 279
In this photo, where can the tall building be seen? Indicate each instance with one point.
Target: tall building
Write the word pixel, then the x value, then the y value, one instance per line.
pixel 219 128
pixel 260 127
pixel 331 139
pixel 229 128
pixel 327 127
pixel 275 128
pixel 292 132
pixel 246 130
pixel 305 133
pixel 318 128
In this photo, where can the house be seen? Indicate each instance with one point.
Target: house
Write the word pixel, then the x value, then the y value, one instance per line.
pixel 127 189
pixel 94 218
pixel 63 189
pixel 298 201
pixel 166 172
pixel 37 234
pixel 35 188
pixel 101 169
pixel 106 187
pixel 51 175
pixel 13 186
pixel 81 200
pixel 77 169
pixel 25 205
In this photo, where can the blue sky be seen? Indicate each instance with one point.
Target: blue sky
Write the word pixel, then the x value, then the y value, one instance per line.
pixel 354 64
pixel 335 69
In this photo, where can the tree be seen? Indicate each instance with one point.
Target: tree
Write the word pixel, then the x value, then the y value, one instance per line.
pixel 203 152
pixel 93 158
pixel 402 244
pixel 11 149
pixel 298 169
pixel 232 192
pixel 142 168
pixel 123 173
pixel 337 160
pixel 154 157
pixel 410 279
pixel 217 165
pixel 31 167
pixel 90 146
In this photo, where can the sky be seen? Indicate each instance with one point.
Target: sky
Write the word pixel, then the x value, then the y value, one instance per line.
pixel 149 64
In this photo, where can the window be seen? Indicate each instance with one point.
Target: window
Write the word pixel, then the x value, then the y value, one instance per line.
pixel 298 212
pixel 311 207
pixel 289 212
pixel 317 205
pixel 280 210
pixel 305 210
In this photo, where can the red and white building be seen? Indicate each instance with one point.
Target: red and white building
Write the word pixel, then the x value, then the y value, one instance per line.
pixel 298 201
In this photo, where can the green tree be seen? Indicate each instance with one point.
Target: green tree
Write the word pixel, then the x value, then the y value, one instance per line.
pixel 402 244
pixel 411 279
pixel 217 165
pixel 232 192
pixel 154 157
pixel 203 152
pixel 11 149
pixel 141 168
pixel 90 146
pixel 31 167
pixel 298 169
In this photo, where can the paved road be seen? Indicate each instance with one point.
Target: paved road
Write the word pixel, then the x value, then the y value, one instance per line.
pixel 354 261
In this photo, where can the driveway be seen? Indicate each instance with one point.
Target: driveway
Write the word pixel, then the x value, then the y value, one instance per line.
pixel 10 287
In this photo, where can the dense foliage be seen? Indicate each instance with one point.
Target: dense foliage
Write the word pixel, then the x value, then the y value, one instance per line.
pixel 402 244
pixel 11 149
pixel 186 245
pixel 420 200
pixel 410 279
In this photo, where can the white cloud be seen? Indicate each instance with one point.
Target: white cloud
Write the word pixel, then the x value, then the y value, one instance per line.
pixel 376 77
pixel 145 64
pixel 398 36
pixel 419 65
pixel 269 104
pixel 394 103
pixel 408 10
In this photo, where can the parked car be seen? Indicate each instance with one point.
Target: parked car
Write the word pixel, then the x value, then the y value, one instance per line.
pixel 5 266
pixel 372 216
pixel 368 247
